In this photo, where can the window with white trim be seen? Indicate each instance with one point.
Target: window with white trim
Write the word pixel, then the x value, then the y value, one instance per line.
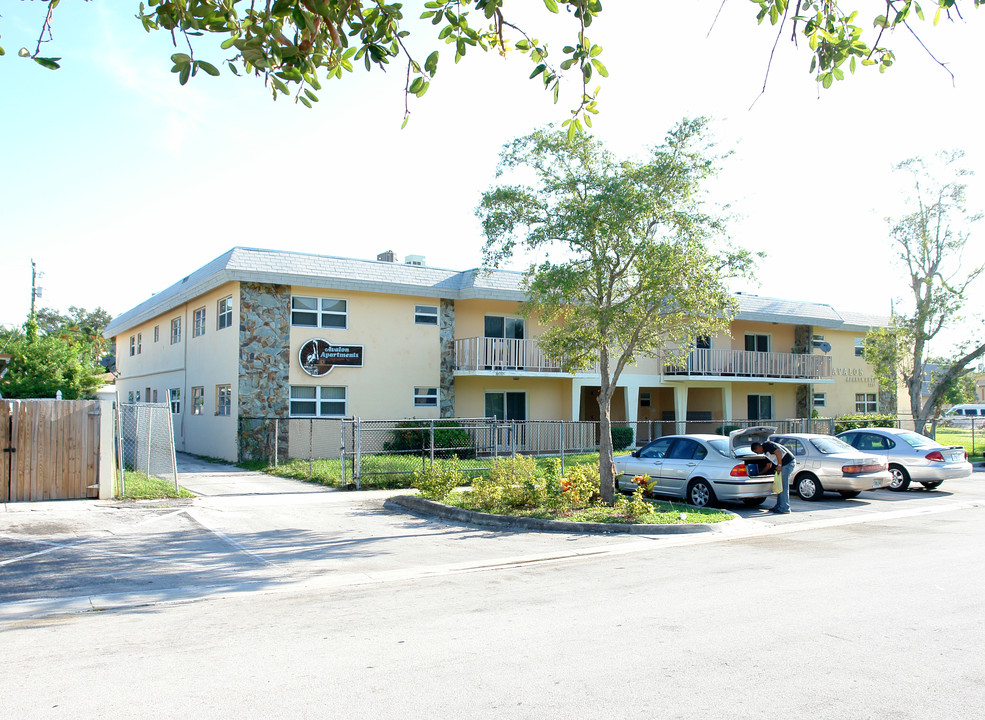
pixel 820 400
pixel 759 407
pixel 174 395
pixel 426 314
pixel 860 347
pixel 198 399
pixel 133 345
pixel 198 322
pixel 223 400
pixel 130 397
pixel 866 403
pixel 224 313
pixel 155 395
pixel 319 312
pixel 139 338
pixel 318 401
pixel 176 331
pixel 425 397
pixel 817 341
pixel 157 333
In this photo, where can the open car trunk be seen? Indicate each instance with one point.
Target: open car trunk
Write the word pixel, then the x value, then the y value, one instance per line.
pixel 739 445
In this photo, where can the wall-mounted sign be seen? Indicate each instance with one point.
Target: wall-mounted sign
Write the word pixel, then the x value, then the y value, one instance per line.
pixel 318 357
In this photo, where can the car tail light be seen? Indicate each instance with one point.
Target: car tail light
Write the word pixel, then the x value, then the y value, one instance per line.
pixel 856 469
pixel 739 471
pixel 935 456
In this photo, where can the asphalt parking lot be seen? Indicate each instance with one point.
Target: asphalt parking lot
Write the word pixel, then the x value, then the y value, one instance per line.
pixel 250 532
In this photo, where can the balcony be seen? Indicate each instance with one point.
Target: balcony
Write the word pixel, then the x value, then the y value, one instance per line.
pixel 478 354
pixel 740 364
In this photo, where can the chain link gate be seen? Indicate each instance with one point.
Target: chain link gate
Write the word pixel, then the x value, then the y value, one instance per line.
pixel 145 442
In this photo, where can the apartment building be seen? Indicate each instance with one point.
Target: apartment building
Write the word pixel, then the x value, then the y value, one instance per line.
pixel 273 334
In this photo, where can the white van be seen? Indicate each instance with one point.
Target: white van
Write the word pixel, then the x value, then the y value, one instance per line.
pixel 965 414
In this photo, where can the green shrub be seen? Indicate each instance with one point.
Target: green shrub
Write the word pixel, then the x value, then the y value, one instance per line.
pixel 851 422
pixel 726 429
pixel 581 485
pixel 622 438
pixel 634 507
pixel 414 436
pixel 435 482
pixel 519 482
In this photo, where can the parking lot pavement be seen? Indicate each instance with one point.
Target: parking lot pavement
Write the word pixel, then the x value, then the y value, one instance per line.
pixel 249 531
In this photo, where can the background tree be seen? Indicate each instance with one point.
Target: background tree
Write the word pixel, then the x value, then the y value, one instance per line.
pixel 623 260
pixel 49 363
pixel 294 44
pixel 929 243
pixel 79 325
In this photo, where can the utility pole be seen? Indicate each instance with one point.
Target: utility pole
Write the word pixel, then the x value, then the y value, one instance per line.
pixel 32 321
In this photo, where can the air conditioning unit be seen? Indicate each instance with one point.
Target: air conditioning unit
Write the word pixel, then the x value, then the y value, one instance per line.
pixel 414 260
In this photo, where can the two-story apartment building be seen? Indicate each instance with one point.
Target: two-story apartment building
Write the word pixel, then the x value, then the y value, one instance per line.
pixel 271 334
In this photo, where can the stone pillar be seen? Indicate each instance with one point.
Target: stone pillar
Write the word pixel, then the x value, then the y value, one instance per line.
pixel 106 396
pixel 446 335
pixel 264 369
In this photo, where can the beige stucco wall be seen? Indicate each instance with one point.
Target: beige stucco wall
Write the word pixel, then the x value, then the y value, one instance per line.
pixel 398 354
pixel 547 398
pixel 851 374
pixel 781 336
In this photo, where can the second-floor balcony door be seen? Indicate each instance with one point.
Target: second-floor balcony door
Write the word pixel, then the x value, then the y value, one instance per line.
pixel 504 340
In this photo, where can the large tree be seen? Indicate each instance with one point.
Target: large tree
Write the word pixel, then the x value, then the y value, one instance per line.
pixel 294 44
pixel 929 242
pixel 622 253
pixel 43 365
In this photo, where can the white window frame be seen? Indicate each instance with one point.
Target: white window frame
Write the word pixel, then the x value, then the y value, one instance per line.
pixel 321 312
pixel 198 322
pixel 223 400
pixel 176 331
pixel 174 397
pixel 769 341
pixel 198 400
pixel 762 395
pixel 425 314
pixel 816 341
pixel 820 400
pixel 224 313
pixel 318 400
pixel 157 333
pixel 865 406
pixel 860 347
pixel 155 395
pixel 133 345
pixel 426 397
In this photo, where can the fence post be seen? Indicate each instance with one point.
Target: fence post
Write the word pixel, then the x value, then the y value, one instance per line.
pixel 561 444
pixel 311 449
pixel 150 436
pixel 513 439
pixel 119 443
pixel 276 439
pixel 358 449
pixel 342 448
pixel 432 442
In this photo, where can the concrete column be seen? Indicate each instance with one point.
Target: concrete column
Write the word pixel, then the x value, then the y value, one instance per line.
pixel 576 386
pixel 727 403
pixel 631 396
pixel 107 443
pixel 680 408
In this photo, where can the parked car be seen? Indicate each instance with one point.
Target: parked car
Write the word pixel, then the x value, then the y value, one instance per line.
pixel 964 415
pixel 701 469
pixel 825 463
pixel 912 457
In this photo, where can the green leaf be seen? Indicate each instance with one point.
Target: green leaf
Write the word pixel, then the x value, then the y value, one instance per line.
pixel 50 63
pixel 228 43
pixel 552 6
pixel 185 73
pixel 600 68
pixel 282 7
pixel 305 101
pixel 209 68
pixel 431 64
pixel 180 59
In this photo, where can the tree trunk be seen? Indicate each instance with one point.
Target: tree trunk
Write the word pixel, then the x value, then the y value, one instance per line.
pixel 607 471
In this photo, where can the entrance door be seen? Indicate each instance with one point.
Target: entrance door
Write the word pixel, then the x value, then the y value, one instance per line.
pixel 506 405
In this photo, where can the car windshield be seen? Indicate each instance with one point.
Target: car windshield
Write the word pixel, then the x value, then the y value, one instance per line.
pixel 828 445
pixel 912 438
pixel 721 445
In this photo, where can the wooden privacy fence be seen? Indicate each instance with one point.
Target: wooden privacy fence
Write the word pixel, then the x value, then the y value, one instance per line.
pixel 50 449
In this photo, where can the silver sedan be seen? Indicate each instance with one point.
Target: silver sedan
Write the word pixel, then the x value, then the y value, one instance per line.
pixel 697 468
pixel 912 457
pixel 827 463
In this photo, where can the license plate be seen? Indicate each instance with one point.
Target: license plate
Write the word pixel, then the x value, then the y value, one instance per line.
pixel 955 456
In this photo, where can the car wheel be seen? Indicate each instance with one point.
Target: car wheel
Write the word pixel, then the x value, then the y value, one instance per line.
pixel 809 487
pixel 900 480
pixel 932 485
pixel 700 494
pixel 849 494
pixel 753 502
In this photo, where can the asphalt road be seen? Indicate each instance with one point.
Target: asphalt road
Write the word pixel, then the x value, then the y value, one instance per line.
pixel 872 611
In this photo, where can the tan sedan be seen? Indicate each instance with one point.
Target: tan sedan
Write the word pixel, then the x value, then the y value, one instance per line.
pixel 825 463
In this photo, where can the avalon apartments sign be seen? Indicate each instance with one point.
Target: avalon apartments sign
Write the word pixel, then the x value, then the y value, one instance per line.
pixel 319 357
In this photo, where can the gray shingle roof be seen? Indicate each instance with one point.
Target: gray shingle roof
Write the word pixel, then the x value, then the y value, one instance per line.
pixel 337 273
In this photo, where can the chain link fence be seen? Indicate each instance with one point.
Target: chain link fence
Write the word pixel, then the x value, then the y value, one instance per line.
pixel 145 442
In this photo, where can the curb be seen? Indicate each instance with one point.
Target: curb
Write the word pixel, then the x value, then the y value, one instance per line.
pixel 431 509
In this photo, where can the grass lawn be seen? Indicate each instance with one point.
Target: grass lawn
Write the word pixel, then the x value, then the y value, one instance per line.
pixel 973 443
pixel 143 487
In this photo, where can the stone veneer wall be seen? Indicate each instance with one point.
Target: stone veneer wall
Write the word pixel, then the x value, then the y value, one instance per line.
pixel 446 335
pixel 264 369
pixel 802 345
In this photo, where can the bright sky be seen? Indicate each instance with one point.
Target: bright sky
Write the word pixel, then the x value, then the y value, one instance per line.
pixel 118 182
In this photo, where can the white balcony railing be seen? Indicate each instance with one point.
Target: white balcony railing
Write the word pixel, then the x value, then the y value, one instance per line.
pixel 503 354
pixel 742 363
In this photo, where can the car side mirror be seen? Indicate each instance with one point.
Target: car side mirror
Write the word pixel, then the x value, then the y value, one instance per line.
pixel 635 453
